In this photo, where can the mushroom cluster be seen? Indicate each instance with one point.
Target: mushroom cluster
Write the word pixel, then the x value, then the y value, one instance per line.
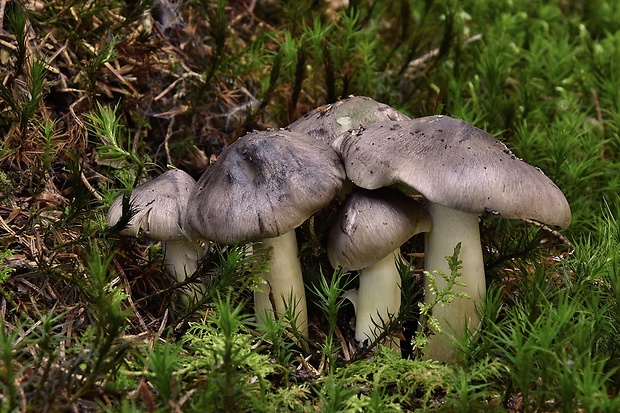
pixel 371 158
pixel 462 172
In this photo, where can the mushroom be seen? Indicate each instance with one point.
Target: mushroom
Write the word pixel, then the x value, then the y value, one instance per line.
pixel 159 207
pixel 367 235
pixel 462 172
pixel 328 122
pixel 261 188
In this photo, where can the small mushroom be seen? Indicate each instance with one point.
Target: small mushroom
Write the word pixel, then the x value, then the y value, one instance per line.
pixel 159 207
pixel 462 172
pixel 261 188
pixel 367 235
pixel 328 122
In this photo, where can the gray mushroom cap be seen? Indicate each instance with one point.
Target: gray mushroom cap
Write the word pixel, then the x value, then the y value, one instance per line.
pixel 371 224
pixel 160 206
pixel 264 185
pixel 327 122
pixel 455 164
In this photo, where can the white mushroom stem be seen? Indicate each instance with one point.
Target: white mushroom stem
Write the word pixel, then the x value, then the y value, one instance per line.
pixel 449 228
pixel 378 297
pixel 181 260
pixel 284 281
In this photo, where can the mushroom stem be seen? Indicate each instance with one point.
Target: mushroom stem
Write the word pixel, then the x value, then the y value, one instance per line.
pixel 459 316
pixel 378 298
pixel 181 259
pixel 284 281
